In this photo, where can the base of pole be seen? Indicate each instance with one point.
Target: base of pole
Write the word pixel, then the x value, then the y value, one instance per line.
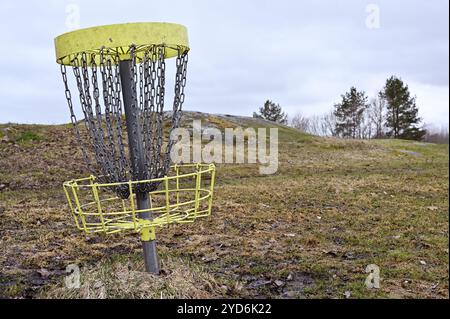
pixel 151 259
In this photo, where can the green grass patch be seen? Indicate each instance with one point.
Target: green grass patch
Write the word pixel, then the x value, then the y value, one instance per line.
pixel 29 136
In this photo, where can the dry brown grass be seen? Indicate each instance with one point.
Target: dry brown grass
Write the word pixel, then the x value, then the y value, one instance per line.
pixel 120 279
pixel 307 231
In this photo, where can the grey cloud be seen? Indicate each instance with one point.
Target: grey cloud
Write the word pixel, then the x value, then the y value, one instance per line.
pixel 302 54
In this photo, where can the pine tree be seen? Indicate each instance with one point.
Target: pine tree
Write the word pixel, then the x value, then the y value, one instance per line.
pixel 402 118
pixel 350 113
pixel 272 112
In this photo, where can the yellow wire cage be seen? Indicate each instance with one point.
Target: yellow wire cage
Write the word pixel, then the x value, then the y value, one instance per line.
pixel 184 195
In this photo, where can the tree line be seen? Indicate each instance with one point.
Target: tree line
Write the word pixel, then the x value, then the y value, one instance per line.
pixel 392 113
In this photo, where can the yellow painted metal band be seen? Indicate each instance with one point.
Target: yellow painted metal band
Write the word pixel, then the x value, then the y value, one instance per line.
pixel 205 169
pixel 119 37
pixel 148 233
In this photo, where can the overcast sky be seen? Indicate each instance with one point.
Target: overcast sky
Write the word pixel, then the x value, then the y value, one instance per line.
pixel 301 54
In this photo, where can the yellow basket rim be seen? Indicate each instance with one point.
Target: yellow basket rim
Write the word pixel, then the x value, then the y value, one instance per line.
pixel 120 37
pixel 96 215
pixel 206 168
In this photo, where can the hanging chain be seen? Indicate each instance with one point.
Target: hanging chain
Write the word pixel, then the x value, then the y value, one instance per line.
pixel 180 83
pixel 103 117
pixel 73 118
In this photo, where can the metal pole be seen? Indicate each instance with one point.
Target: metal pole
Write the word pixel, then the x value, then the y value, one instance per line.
pixel 137 158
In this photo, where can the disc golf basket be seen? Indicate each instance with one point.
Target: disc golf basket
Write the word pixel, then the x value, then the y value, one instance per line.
pixel 119 72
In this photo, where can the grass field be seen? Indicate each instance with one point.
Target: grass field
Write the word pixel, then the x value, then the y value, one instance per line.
pixel 308 231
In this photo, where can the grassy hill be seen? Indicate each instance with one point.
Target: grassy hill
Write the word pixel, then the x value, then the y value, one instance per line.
pixel 308 231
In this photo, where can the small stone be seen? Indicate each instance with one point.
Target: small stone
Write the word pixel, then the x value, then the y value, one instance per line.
pixel 224 288
pixel 423 262
pixel 396 237
pixel 330 252
pixel 98 284
pixel 238 286
pixel 319 217
pixel 289 277
pixel 347 294
pixel 289 294
pixel 349 255
pixel 279 283
pixel 259 283
pixel 44 273
pixel 5 139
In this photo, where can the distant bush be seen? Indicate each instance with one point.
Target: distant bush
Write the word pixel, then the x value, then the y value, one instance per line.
pixel 436 137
